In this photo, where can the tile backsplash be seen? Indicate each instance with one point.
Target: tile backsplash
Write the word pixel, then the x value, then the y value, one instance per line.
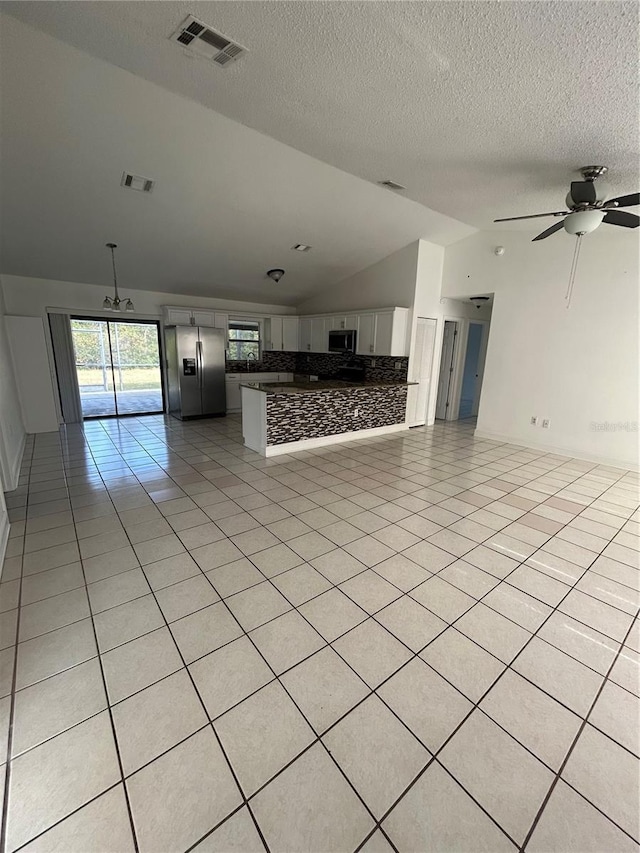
pixel 325 365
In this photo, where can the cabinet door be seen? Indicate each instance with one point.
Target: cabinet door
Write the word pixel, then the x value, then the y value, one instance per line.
pixel 319 335
pixel 221 321
pixel 366 341
pixel 234 397
pixel 305 334
pixel 384 331
pixel 351 322
pixel 204 318
pixel 290 334
pixel 335 323
pixel 178 317
pixel 273 333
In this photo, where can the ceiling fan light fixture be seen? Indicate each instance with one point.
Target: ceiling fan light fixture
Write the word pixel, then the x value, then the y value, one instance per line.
pixel 583 221
pixel 276 274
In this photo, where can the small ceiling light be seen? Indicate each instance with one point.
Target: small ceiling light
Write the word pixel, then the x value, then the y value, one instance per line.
pixel 116 304
pixel 301 247
pixel 478 301
pixel 499 251
pixel 276 275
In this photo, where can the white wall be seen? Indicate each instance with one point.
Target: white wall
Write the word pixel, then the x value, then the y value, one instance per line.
pixel 578 366
pixel 388 284
pixel 12 432
pixel 31 296
pixel 33 374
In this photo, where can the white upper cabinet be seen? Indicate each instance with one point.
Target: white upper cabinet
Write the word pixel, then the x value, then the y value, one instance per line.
pixel 366 339
pixel 290 334
pixel 383 343
pixel 319 335
pixel 195 317
pixel 304 334
pixel 281 333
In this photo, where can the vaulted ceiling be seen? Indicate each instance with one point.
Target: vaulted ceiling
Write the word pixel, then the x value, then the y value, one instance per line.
pixel 481 109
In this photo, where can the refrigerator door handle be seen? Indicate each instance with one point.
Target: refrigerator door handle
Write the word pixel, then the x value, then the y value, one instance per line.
pixel 199 364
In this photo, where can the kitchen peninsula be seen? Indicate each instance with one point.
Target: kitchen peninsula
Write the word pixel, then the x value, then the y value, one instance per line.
pixel 285 417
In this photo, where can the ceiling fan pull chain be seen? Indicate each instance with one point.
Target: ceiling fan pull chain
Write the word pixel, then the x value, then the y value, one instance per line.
pixel 574 267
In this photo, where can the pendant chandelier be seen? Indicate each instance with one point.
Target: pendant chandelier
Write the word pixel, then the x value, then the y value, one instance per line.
pixel 115 303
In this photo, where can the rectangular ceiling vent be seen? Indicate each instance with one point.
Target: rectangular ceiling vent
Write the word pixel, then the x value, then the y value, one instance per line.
pixel 205 41
pixel 136 182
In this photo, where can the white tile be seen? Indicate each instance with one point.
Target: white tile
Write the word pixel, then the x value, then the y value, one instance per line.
pixel 155 719
pixel 410 622
pixel 52 613
pixel 263 734
pixel 310 806
pixel 580 641
pixel 238 834
pixel 185 597
pixel 442 598
pixel 463 663
pixel 286 640
pixel 51 706
pixel 324 688
pixel 570 824
pixel 101 824
pixel 370 591
pixel 338 566
pixel 535 719
pixel 140 663
pixel 59 776
pixel 257 605
pixel 494 632
pixel 204 631
pixel 425 702
pixel 437 815
pixel 54 652
pixel 127 621
pixel 617 714
pixel 228 675
pixel 301 584
pixel 567 680
pixel 372 651
pixel 607 775
pixel 499 773
pixel 402 572
pixel 179 797
pixel 377 753
pixel 332 614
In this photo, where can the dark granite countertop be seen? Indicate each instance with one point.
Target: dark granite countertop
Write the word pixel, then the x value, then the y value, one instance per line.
pixel 320 385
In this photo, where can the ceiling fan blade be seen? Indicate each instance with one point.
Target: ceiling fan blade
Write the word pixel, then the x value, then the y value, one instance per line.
pixel 583 192
pixel 555 227
pixel 621 217
pixel 533 216
pixel 625 200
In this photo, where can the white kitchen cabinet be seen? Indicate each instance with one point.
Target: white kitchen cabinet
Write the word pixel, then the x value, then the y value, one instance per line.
pixel 177 316
pixel 233 381
pixel 319 335
pixel 281 333
pixel 304 334
pixel 366 340
pixel 384 332
pixel 195 317
pixel 290 334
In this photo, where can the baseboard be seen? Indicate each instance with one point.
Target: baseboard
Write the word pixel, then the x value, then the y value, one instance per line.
pixel 609 461
pixel 4 537
pixel 14 473
pixel 324 441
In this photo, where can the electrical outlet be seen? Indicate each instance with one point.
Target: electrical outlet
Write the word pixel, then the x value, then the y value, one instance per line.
pixel 546 423
pixel 398 365
pixel 534 420
pixel 356 413
pixel 372 362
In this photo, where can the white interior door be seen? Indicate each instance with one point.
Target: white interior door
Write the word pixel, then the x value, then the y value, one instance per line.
pixel 422 366
pixel 446 369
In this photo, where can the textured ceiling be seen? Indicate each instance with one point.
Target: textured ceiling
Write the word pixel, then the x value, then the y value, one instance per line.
pixel 482 109
pixel 228 203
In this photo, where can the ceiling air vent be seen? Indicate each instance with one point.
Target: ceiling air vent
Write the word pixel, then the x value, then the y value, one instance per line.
pixel 391 185
pixel 205 41
pixel 136 182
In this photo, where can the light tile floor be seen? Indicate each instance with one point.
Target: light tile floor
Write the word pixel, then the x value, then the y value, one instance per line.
pixel 416 643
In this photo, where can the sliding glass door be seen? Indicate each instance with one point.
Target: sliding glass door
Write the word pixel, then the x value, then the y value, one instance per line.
pixel 118 367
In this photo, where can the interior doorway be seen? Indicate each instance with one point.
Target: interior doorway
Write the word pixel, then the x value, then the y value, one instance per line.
pixel 117 364
pixel 447 363
pixel 471 372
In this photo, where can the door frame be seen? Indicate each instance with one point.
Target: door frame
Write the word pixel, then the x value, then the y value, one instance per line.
pixel 451 409
pixel 111 319
pixel 418 375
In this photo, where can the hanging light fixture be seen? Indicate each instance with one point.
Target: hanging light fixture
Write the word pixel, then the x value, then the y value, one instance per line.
pixel 116 304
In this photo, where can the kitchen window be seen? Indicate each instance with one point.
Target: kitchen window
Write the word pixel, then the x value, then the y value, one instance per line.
pixel 244 340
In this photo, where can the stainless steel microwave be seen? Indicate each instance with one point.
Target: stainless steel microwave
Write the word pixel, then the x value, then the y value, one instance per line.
pixel 342 340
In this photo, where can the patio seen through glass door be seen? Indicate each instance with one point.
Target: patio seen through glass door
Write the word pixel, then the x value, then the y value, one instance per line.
pixel 118 367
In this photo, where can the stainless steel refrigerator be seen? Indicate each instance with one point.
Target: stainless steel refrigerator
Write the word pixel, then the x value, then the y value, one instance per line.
pixel 196 371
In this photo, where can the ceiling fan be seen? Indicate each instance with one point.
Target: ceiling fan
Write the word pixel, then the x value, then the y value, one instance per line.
pixel 588 208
